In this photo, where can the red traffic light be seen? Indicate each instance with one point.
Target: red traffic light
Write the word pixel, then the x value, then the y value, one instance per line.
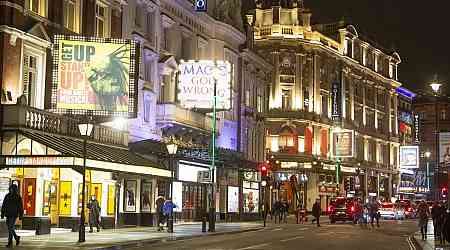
pixel 264 168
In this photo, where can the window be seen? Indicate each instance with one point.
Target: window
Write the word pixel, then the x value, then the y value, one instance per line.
pixel 101 20
pixel 286 99
pixel 247 97
pixel 391 70
pixel 148 71
pixel 259 104
pixel 72 15
pixel 147 100
pixel 32 77
pixel 324 105
pixel 138 16
pixel 30 74
pixel 150 27
pixel 37 6
pixel 443 115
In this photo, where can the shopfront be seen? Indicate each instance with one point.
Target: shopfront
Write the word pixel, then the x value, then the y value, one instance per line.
pixel 250 194
pixel 47 170
pixel 228 189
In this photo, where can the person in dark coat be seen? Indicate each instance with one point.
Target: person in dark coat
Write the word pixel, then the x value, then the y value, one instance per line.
pixel 316 211
pixel 94 214
pixel 436 216
pixel 11 209
pixel 424 212
pixel 159 213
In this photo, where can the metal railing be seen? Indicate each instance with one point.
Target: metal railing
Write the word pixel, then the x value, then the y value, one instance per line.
pixel 22 116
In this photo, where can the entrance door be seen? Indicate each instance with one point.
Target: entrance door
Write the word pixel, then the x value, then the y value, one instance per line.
pixel 29 196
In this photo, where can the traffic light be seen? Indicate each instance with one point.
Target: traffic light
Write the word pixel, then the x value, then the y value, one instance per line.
pixel 264 169
pixel 444 192
pixel 347 184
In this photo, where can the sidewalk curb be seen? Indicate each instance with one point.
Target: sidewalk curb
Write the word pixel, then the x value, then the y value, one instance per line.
pixel 415 242
pixel 143 243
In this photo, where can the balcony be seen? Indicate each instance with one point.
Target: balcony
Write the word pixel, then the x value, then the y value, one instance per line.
pixel 20 116
pixel 297 114
pixel 171 113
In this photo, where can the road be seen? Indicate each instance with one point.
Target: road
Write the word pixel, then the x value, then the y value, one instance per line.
pixel 392 235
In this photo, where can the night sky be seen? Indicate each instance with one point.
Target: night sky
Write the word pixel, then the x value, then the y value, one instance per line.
pixel 419 30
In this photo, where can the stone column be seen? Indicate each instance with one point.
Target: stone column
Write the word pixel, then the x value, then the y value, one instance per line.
pixel 364 101
pixel 275 100
pixel 344 85
pixel 366 184
pixel 378 185
pixel 352 99
pixel 316 84
pixel 298 93
pixel 390 186
pixel 311 83
pixel 395 114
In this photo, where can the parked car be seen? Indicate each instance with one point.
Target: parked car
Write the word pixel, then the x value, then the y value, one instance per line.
pixel 391 211
pixel 344 209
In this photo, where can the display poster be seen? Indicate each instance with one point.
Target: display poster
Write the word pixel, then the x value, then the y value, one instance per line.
pixel 94 74
pixel 86 192
pixel 233 199
pixel 409 156
pixel 46 198
pixel 65 197
pixel 29 196
pixel 444 148
pixel 4 188
pixel 146 196
pixel 96 190
pixel 130 195
pixel 343 143
pixel 196 82
pixel 111 199
pixel 177 197
pixel 251 200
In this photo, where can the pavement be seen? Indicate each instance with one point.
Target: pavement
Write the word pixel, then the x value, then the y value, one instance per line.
pixel 430 243
pixel 125 238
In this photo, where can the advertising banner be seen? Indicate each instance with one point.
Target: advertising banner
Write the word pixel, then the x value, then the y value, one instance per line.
pixel 343 143
pixel 336 101
pixel 196 82
pixel 177 198
pixel 233 199
pixel 94 74
pixel 444 148
pixel 409 156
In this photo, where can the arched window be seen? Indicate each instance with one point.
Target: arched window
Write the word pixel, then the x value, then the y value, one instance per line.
pixel 288 140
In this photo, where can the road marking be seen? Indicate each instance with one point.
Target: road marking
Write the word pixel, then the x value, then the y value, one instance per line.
pixel 293 238
pixel 277 229
pixel 302 229
pixel 254 246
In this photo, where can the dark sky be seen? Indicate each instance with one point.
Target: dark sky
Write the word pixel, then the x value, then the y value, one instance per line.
pixel 419 30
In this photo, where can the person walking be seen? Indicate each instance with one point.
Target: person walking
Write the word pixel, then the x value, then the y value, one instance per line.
pixel 159 213
pixel 12 209
pixel 168 210
pixel 316 211
pixel 373 212
pixel 94 214
pixel 276 210
pixel 436 214
pixel 423 213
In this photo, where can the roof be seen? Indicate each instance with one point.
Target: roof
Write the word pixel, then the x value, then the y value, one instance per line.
pixel 71 146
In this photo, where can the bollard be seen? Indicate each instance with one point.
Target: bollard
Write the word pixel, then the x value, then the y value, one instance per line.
pixel 204 223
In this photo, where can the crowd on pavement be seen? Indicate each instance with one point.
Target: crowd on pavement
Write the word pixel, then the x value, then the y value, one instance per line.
pixel 440 216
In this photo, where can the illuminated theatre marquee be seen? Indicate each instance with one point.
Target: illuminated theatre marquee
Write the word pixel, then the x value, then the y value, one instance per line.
pixel 196 84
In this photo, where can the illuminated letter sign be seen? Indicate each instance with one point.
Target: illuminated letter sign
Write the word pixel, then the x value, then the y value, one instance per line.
pixel 200 5
pixel 94 74
pixel 196 84
pixel 336 107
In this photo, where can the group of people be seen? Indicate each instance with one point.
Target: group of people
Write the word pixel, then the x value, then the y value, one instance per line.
pixel 279 211
pixel 164 210
pixel 12 209
pixel 441 220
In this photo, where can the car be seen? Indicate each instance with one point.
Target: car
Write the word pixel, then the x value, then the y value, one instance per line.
pixel 391 211
pixel 408 207
pixel 344 209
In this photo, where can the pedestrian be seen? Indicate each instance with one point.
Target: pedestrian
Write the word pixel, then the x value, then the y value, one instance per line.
pixel 12 209
pixel 436 214
pixel 316 211
pixel 276 210
pixel 373 212
pixel 284 211
pixel 168 211
pixel 423 213
pixel 159 213
pixel 94 214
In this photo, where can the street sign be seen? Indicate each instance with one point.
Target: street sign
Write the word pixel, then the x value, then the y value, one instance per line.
pixel 200 5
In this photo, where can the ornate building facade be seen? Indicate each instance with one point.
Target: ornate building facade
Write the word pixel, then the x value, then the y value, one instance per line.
pixel 307 59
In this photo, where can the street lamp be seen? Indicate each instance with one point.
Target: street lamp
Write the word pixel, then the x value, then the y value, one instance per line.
pixel 85 131
pixel 172 150
pixel 427 156
pixel 435 86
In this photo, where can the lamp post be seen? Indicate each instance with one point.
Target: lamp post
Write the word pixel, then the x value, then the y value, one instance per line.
pixel 435 86
pixel 85 131
pixel 427 156
pixel 172 150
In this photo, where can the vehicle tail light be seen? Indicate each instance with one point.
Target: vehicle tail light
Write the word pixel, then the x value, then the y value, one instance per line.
pixel 409 209
pixel 329 209
pixel 352 209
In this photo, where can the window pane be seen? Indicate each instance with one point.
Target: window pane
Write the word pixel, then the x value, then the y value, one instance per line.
pixel 35 5
pixel 99 28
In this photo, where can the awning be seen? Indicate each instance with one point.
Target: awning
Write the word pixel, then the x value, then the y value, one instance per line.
pixel 99 156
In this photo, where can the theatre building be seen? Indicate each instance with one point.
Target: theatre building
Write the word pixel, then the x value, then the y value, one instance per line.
pixel 330 82
pixel 41 147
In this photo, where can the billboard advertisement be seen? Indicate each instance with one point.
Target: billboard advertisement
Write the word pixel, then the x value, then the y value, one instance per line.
pixel 196 82
pixel 409 156
pixel 343 143
pixel 444 148
pixel 94 74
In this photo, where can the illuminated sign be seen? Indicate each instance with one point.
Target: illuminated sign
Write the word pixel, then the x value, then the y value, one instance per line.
pixel 409 156
pixel 336 107
pixel 444 148
pixel 416 128
pixel 406 117
pixel 343 143
pixel 289 164
pixel 200 5
pixel 233 199
pixel 94 74
pixel 196 82
pixel 39 161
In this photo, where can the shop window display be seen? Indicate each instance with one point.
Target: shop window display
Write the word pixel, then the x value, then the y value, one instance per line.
pixel 146 196
pixel 111 199
pixel 130 196
pixel 65 197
